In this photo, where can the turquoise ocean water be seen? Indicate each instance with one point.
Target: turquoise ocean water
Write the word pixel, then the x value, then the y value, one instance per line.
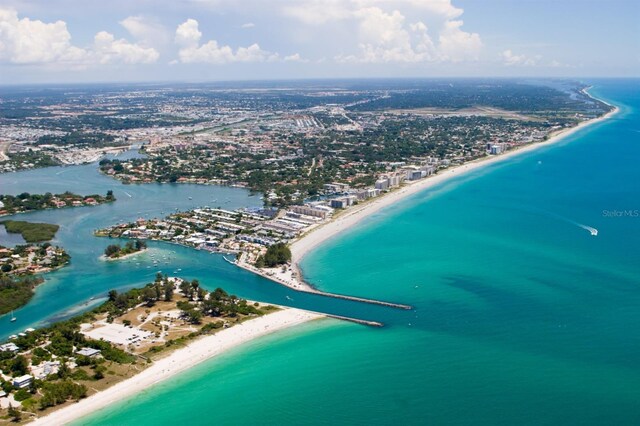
pixel 521 315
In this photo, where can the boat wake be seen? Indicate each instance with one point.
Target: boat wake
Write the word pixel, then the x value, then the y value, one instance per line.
pixel 592 230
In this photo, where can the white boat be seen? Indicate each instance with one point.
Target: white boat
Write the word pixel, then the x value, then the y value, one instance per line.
pixel 13 318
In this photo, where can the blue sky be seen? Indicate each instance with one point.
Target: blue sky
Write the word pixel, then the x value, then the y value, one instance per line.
pixel 203 40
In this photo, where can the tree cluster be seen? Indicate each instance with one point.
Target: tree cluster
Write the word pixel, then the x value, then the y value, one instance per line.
pixel 115 250
pixel 277 254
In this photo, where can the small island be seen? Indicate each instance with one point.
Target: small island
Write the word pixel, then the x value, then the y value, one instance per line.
pixel 17 267
pixel 122 337
pixel 25 202
pixel 32 232
pixel 115 251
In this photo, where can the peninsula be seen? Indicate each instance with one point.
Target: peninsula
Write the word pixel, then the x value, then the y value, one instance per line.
pixel 133 340
pixel 26 202
pixel 19 264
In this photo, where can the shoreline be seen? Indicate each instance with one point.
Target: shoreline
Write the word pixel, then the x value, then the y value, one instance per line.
pixel 318 235
pixel 104 257
pixel 180 360
pixel 54 208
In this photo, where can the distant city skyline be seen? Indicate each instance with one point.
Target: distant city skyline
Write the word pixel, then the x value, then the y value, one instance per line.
pixel 212 40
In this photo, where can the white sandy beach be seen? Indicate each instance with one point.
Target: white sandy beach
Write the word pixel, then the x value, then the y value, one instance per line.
pixel 126 256
pixel 182 359
pixel 355 214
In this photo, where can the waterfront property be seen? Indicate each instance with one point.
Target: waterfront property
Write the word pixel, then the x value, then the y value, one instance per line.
pixel 114 341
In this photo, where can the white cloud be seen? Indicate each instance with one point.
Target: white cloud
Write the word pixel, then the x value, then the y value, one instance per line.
pixel 511 59
pixel 295 58
pixel 385 36
pixel 457 45
pixel 248 25
pixel 317 12
pixel 109 50
pixel 188 37
pixel 146 31
pixel 188 34
pixel 26 41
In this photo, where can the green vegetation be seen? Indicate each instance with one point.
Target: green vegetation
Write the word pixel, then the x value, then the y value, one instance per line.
pixel 26 202
pixel 58 342
pixel 77 374
pixel 32 232
pixel 277 254
pixel 114 251
pixel 16 291
pixel 16 271
pixel 28 160
pixel 14 414
pixel 59 393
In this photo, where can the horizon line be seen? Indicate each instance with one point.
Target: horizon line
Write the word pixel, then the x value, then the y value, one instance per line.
pixel 303 79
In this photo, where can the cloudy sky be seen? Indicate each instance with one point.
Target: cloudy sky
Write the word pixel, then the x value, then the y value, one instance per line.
pixel 204 40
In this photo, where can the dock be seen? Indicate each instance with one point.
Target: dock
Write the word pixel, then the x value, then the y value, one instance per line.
pixel 303 287
pixel 341 317
pixel 360 299
pixel 355 320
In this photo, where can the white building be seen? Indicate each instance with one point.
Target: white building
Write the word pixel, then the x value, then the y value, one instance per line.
pixel 9 347
pixel 416 174
pixel 395 180
pixel 496 149
pixel 365 194
pixel 336 187
pixel 339 203
pixel 382 184
pixel 314 211
pixel 22 381
pixel 90 352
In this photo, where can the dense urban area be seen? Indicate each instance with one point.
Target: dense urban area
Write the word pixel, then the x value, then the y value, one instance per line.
pixel 286 142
